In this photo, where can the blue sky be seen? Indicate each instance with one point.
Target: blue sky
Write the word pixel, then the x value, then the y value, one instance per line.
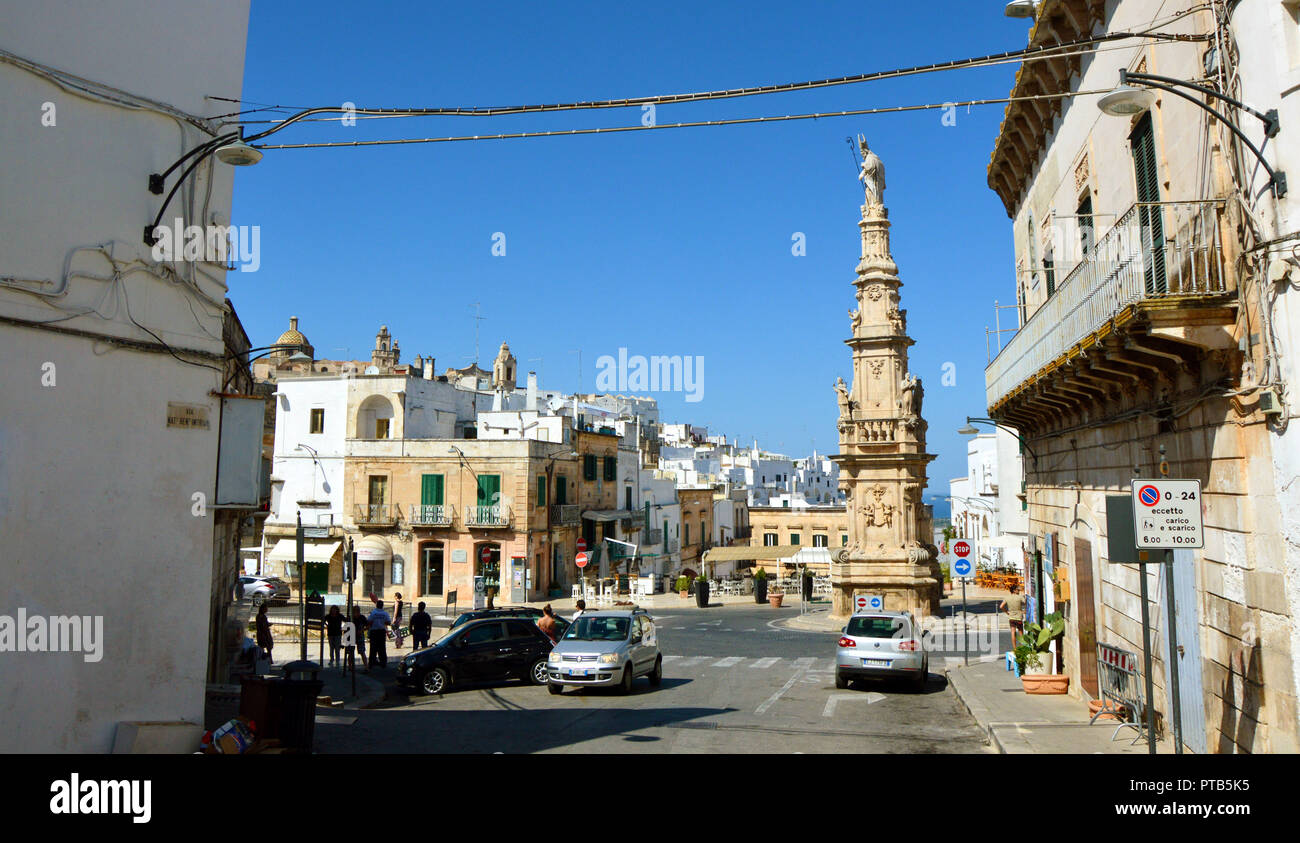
pixel 668 242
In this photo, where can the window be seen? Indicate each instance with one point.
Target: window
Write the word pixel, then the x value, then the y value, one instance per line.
pixel 1086 235
pixel 483 634
pixel 431 569
pixel 318 420
pixel 877 627
pixel 561 489
pixel 397 570
pixel 611 468
pixel 819 540
pixel 381 428
pixel 378 490
pixel 589 467
pixel 489 489
pixel 844 539
pixel 769 540
pixel 627 498
pixel 521 629
pixel 794 538
pixel 686 532
pixel 541 490
pixel 431 489
pixel 1150 219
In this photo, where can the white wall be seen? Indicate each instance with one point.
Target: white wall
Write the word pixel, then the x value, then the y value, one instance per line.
pixel 95 489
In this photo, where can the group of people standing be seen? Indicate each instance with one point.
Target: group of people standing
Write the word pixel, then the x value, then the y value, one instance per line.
pixel 374 626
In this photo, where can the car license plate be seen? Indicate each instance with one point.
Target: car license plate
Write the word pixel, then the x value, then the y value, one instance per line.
pixel 875 662
pixel 574 671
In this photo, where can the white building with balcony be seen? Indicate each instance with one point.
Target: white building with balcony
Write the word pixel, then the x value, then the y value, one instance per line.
pixel 1155 336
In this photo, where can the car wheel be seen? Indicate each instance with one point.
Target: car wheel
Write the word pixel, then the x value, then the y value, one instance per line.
pixel 555 688
pixel 657 675
pixel 840 681
pixel 537 675
pixel 625 686
pixel 435 681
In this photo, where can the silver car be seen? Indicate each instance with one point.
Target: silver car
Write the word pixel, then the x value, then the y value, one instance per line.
pixel 881 645
pixel 606 648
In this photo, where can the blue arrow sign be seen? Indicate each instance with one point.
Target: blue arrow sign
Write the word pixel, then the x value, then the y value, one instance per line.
pixel 961 567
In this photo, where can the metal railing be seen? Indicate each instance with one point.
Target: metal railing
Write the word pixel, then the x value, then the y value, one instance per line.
pixel 487 516
pixel 564 514
pixel 424 513
pixel 376 513
pixel 1155 250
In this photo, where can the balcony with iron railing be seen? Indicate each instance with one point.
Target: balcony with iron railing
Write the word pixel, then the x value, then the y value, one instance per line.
pixel 430 515
pixel 1165 254
pixel 376 514
pixel 564 514
pixel 496 515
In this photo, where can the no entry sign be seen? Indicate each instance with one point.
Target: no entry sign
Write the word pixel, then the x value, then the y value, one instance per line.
pixel 1167 514
pixel 582 545
pixel 486 555
pixel 581 560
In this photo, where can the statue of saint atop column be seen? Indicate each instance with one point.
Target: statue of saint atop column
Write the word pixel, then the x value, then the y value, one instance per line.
pixel 872 175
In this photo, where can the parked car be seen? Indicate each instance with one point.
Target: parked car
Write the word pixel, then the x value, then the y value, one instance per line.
pixel 606 648
pixel 881 645
pixel 265 589
pixel 479 651
pixel 509 612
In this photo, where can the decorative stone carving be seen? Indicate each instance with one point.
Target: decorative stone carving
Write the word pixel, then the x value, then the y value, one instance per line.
pixel 1081 173
pixel 875 291
pixel 876 367
pixel 842 394
pixel 897 319
pixel 872 176
pixel 855 320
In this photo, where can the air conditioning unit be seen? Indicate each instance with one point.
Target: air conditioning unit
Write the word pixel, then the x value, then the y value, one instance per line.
pixel 1269 402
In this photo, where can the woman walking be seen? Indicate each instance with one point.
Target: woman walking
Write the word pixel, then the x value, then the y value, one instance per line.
pixel 334 629
pixel 264 640
pixel 397 622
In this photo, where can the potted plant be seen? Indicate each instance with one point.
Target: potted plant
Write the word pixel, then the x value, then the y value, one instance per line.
pixel 701 591
pixel 760 586
pixel 683 586
pixel 1035 659
pixel 775 596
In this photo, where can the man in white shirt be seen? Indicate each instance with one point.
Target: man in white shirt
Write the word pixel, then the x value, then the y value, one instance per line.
pixel 379 621
pixel 581 606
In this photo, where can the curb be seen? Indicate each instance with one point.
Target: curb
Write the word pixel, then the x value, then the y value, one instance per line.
pixel 976 709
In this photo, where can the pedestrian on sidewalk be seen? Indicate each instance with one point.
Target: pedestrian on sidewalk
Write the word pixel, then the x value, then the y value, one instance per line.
pixel 334 630
pixel 546 623
pixel 359 627
pixel 397 622
pixel 264 640
pixel 421 628
pixel 1014 606
pixel 379 621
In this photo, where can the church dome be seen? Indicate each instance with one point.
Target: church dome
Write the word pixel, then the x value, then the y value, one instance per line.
pixel 293 337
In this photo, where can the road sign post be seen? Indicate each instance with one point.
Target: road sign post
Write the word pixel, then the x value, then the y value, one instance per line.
pixel 962 568
pixel 1167 515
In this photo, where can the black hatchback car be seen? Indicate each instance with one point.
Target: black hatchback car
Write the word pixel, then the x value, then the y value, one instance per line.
pixel 479 651
pixel 509 612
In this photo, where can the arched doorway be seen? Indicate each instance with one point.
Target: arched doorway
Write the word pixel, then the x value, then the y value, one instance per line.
pixel 431 568
pixel 490 568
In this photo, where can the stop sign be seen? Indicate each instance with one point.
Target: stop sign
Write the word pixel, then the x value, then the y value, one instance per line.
pixel 582 560
pixel 486 555
pixel 582 545
pixel 962 549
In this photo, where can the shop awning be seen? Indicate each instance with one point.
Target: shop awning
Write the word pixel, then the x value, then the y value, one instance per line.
pixel 811 556
pixel 374 549
pixel 752 553
pixel 286 550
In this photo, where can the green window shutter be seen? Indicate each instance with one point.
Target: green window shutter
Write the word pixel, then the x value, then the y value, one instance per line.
pixel 561 490
pixel 611 468
pixel 541 490
pixel 794 538
pixel 589 467
pixel 431 486
pixel 1150 219
pixel 686 533
pixel 489 489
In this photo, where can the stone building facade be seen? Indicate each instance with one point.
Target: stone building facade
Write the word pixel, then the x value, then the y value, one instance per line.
pixel 1142 352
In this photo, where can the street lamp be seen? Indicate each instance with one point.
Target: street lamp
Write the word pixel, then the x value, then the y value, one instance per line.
pixel 1127 100
pixel 1021 9
pixel 969 430
pixel 228 148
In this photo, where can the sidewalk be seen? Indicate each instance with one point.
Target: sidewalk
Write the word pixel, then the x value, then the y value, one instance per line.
pixel 1018 723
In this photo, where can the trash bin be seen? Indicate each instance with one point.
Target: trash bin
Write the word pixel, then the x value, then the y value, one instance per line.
pixel 260 700
pixel 300 688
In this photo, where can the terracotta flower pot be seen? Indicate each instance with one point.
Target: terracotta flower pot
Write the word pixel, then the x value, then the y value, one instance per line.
pixel 1050 683
pixel 775 600
pixel 682 592
pixel 1094 706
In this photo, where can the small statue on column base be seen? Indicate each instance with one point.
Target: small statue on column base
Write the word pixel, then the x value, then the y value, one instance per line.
pixel 842 394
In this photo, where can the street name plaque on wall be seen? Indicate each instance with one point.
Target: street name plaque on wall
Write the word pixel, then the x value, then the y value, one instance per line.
pixel 188 416
pixel 1167 514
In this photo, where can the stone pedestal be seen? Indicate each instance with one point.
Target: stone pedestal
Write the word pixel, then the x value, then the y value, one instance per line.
pixel 882 455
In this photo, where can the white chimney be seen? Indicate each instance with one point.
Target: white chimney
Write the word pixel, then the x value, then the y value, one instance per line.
pixel 531 405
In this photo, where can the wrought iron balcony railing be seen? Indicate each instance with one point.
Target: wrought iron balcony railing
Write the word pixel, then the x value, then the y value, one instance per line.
pixel 430 515
pixel 376 513
pixel 487 516
pixel 1155 251
pixel 564 514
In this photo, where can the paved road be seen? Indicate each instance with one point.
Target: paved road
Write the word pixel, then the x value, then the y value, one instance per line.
pixel 734 682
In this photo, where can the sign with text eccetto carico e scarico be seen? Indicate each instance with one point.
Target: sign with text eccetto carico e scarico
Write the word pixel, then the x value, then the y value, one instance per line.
pixel 1167 514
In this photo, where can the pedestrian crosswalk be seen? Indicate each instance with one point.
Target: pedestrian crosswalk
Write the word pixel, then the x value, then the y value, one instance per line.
pixel 809 664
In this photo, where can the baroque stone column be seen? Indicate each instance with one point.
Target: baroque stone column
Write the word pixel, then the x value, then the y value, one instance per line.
pixel 882 455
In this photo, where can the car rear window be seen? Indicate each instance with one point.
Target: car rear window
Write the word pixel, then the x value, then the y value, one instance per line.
pixel 869 627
